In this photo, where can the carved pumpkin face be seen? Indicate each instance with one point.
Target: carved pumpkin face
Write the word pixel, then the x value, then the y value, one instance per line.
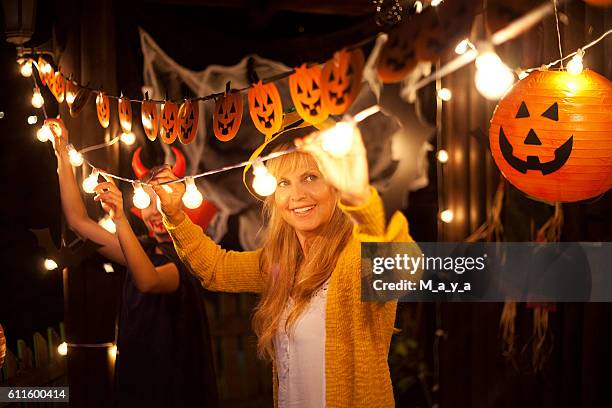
pixel 150 119
pixel 103 109
pixel 168 123
pixel 188 117
pixel 305 89
pixel 58 86
pixel 551 140
pixel 227 116
pixel 398 56
pixel 341 80
pixel 265 107
pixel 125 114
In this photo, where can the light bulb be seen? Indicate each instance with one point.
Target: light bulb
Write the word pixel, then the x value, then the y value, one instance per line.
pixel 50 264
pixel 575 66
pixel 493 78
pixel 108 224
pixel 462 47
pixel 435 3
pixel 338 140
pixel 445 94
pixel 37 99
pixel 90 182
pixel 264 183
pixel 44 134
pixel 32 119
pixel 140 199
pixel 418 7
pixel 47 68
pixel 112 351
pixel 70 96
pixel 26 68
pixel 192 197
pixel 442 156
pixel 447 216
pixel 76 158
pixel 128 138
pixel 62 349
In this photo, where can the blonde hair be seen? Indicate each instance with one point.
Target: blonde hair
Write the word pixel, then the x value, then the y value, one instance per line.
pixel 287 271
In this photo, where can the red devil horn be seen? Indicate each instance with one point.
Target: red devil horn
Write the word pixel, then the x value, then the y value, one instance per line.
pixel 140 170
pixel 179 163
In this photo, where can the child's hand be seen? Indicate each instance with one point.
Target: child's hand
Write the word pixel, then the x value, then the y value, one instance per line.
pixel 111 198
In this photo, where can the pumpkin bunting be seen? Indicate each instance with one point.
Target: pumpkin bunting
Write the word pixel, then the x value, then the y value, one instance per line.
pixel 150 118
pixel 398 56
pixel 103 109
pixel 305 90
pixel 227 116
pixel 550 135
pixel 265 107
pixel 168 123
pixel 188 117
pixel 72 90
pixel 57 86
pixel 125 114
pixel 341 80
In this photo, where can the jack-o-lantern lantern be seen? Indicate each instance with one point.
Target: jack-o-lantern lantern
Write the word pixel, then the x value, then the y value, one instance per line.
pixel 2 346
pixel 265 107
pixel 125 114
pixel 227 116
pixel 168 122
pixel 550 135
pixel 103 109
pixel 150 118
pixel 188 117
pixel 305 90
pixel 398 56
pixel 341 80
pixel 58 86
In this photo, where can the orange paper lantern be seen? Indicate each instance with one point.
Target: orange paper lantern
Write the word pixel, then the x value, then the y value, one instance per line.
pixel 188 118
pixel 265 107
pixel 305 90
pixel 168 124
pixel 150 119
pixel 551 138
pixel 341 80
pixel 125 114
pixel 227 116
pixel 103 109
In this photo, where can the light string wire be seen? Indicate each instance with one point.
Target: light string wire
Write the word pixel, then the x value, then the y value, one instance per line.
pixel 558 32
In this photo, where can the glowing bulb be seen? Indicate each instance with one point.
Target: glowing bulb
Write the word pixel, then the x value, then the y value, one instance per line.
pixel 338 140
pixel 575 66
pixel 108 224
pixel 435 3
pixel 76 158
pixel 523 74
pixel 113 351
pixel 62 349
pixel 26 68
pixel 70 96
pixel 192 197
pixel 264 183
pixel 447 216
pixel 462 47
pixel 128 138
pixel 37 99
pixel 32 119
pixel 90 182
pixel 418 7
pixel 44 134
pixel 140 199
pixel 46 68
pixel 445 94
pixel 50 264
pixel 442 156
pixel 493 77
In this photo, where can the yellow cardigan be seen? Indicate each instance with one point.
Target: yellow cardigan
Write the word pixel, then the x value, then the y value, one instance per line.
pixel 358 334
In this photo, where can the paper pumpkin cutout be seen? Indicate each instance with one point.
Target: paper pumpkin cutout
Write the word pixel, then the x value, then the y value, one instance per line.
pixel 305 90
pixel 125 114
pixel 57 86
pixel 188 118
pixel 398 56
pixel 168 123
pixel 150 118
pixel 227 116
pixel 265 107
pixel 103 109
pixel 550 135
pixel 341 80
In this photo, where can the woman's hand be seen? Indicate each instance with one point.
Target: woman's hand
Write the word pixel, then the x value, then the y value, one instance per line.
pixel 347 173
pixel 111 199
pixel 170 195
pixel 60 135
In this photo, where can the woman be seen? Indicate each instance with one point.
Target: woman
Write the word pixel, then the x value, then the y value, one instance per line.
pixel 328 347
pixel 162 360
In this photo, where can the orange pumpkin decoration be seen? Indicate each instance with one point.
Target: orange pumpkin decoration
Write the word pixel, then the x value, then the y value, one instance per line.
pixel 227 116
pixel 58 86
pixel 551 138
pixel 305 90
pixel 2 346
pixel 103 109
pixel 168 123
pixel 71 92
pixel 150 118
pixel 265 107
pixel 188 118
pixel 398 56
pixel 341 80
pixel 125 114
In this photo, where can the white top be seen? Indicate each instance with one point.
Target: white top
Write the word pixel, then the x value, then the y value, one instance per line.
pixel 300 358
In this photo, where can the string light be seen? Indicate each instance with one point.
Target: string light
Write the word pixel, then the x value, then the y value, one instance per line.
pixel 128 138
pixel 574 66
pixel 447 216
pixel 50 264
pixel 62 349
pixel 338 139
pixel 112 351
pixel 264 183
pixel 140 199
pixel 91 181
pixel 462 47
pixel 76 158
pixel 37 99
pixel 46 68
pixel 70 96
pixel 32 119
pixel 192 197
pixel 523 74
pixel 26 68
pixel 108 224
pixel 445 94
pixel 44 134
pixel 418 7
pixel 435 3
pixel 442 156
pixel 493 78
